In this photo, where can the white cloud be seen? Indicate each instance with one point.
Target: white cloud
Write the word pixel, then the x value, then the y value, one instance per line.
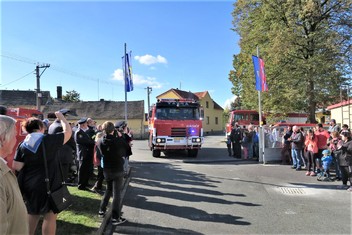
pixel 149 59
pixel 118 75
pixel 137 79
pixel 227 104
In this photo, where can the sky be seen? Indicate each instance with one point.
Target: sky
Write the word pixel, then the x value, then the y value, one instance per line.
pixel 187 45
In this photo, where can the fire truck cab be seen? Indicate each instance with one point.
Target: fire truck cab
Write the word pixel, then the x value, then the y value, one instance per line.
pixel 175 124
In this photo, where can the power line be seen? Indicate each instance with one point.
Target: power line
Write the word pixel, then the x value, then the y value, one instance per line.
pixel 18 79
pixel 18 58
pixel 12 56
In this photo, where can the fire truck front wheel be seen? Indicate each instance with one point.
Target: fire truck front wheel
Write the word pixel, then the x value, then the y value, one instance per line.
pixel 192 152
pixel 156 152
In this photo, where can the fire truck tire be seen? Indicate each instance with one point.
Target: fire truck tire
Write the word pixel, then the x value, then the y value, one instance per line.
pixel 156 152
pixel 193 153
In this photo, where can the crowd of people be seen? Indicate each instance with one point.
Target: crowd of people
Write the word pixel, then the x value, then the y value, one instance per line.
pixel 70 150
pixel 321 151
pixel 317 151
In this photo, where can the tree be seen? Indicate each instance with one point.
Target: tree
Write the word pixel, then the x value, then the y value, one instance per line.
pixel 306 46
pixel 71 96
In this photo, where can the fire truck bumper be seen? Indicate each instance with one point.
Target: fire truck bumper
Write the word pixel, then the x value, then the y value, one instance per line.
pixel 164 143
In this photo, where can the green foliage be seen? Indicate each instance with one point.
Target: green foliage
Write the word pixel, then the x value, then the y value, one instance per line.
pixel 81 217
pixel 306 46
pixel 71 96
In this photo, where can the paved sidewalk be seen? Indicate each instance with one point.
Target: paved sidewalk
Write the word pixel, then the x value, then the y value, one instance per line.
pixel 106 227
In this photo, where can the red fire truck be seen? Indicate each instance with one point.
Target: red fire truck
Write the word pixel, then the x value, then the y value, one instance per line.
pixel 175 124
pixel 243 118
pixel 20 114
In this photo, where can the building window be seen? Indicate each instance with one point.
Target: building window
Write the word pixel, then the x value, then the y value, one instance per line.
pixel 207 104
pixel 216 120
pixel 208 120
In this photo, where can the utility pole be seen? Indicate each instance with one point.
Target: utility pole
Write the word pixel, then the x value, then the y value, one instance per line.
pixel 38 94
pixel 149 91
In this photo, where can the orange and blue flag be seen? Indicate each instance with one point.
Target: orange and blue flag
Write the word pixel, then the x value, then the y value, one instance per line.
pixel 260 77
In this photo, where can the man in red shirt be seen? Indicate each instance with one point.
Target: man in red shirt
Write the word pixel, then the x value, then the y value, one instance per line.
pixel 322 137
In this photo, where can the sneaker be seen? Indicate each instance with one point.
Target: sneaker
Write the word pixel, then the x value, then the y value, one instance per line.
pixel 349 189
pixel 101 214
pixel 293 167
pixel 308 173
pixel 313 173
pixel 118 221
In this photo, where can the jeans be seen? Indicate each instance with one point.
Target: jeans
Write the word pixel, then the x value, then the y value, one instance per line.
pixel 337 166
pixel 100 178
pixel 250 150
pixel 297 158
pixel 114 180
pixel 311 166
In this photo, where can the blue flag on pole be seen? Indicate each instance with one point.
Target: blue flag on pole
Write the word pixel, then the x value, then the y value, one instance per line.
pixel 128 73
pixel 260 77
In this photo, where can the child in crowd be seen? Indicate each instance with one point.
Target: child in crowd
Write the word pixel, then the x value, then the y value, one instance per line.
pixel 326 162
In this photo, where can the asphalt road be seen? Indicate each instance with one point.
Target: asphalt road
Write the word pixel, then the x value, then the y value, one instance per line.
pixel 216 194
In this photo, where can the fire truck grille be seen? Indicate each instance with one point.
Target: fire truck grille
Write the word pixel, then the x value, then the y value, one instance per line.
pixel 178 132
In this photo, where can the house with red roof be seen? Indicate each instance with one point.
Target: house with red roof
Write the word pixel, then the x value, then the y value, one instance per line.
pixel 212 123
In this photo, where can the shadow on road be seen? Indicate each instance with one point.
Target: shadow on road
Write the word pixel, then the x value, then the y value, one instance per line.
pixel 174 183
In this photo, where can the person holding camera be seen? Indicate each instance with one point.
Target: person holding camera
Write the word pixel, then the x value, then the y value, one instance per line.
pixel 114 148
pixel 121 126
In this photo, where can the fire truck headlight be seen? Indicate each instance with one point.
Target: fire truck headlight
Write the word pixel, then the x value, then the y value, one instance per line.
pixel 160 140
pixel 196 140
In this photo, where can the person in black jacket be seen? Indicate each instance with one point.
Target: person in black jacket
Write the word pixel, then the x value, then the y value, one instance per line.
pixel 286 149
pixel 113 148
pixel 344 155
pixel 121 126
pixel 66 152
pixel 236 137
pixel 85 153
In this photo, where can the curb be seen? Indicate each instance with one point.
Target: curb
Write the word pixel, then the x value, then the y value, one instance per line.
pixel 105 223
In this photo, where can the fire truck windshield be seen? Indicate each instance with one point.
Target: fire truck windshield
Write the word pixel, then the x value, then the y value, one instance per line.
pixel 167 113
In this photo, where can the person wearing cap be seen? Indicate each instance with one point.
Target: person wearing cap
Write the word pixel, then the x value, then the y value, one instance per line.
pixel 345 160
pixel 65 153
pixel 84 143
pixel 236 137
pixel 91 132
pixel 326 162
pixel 333 126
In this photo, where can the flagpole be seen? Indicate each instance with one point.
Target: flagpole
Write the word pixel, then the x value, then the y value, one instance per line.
pixel 125 76
pixel 261 131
